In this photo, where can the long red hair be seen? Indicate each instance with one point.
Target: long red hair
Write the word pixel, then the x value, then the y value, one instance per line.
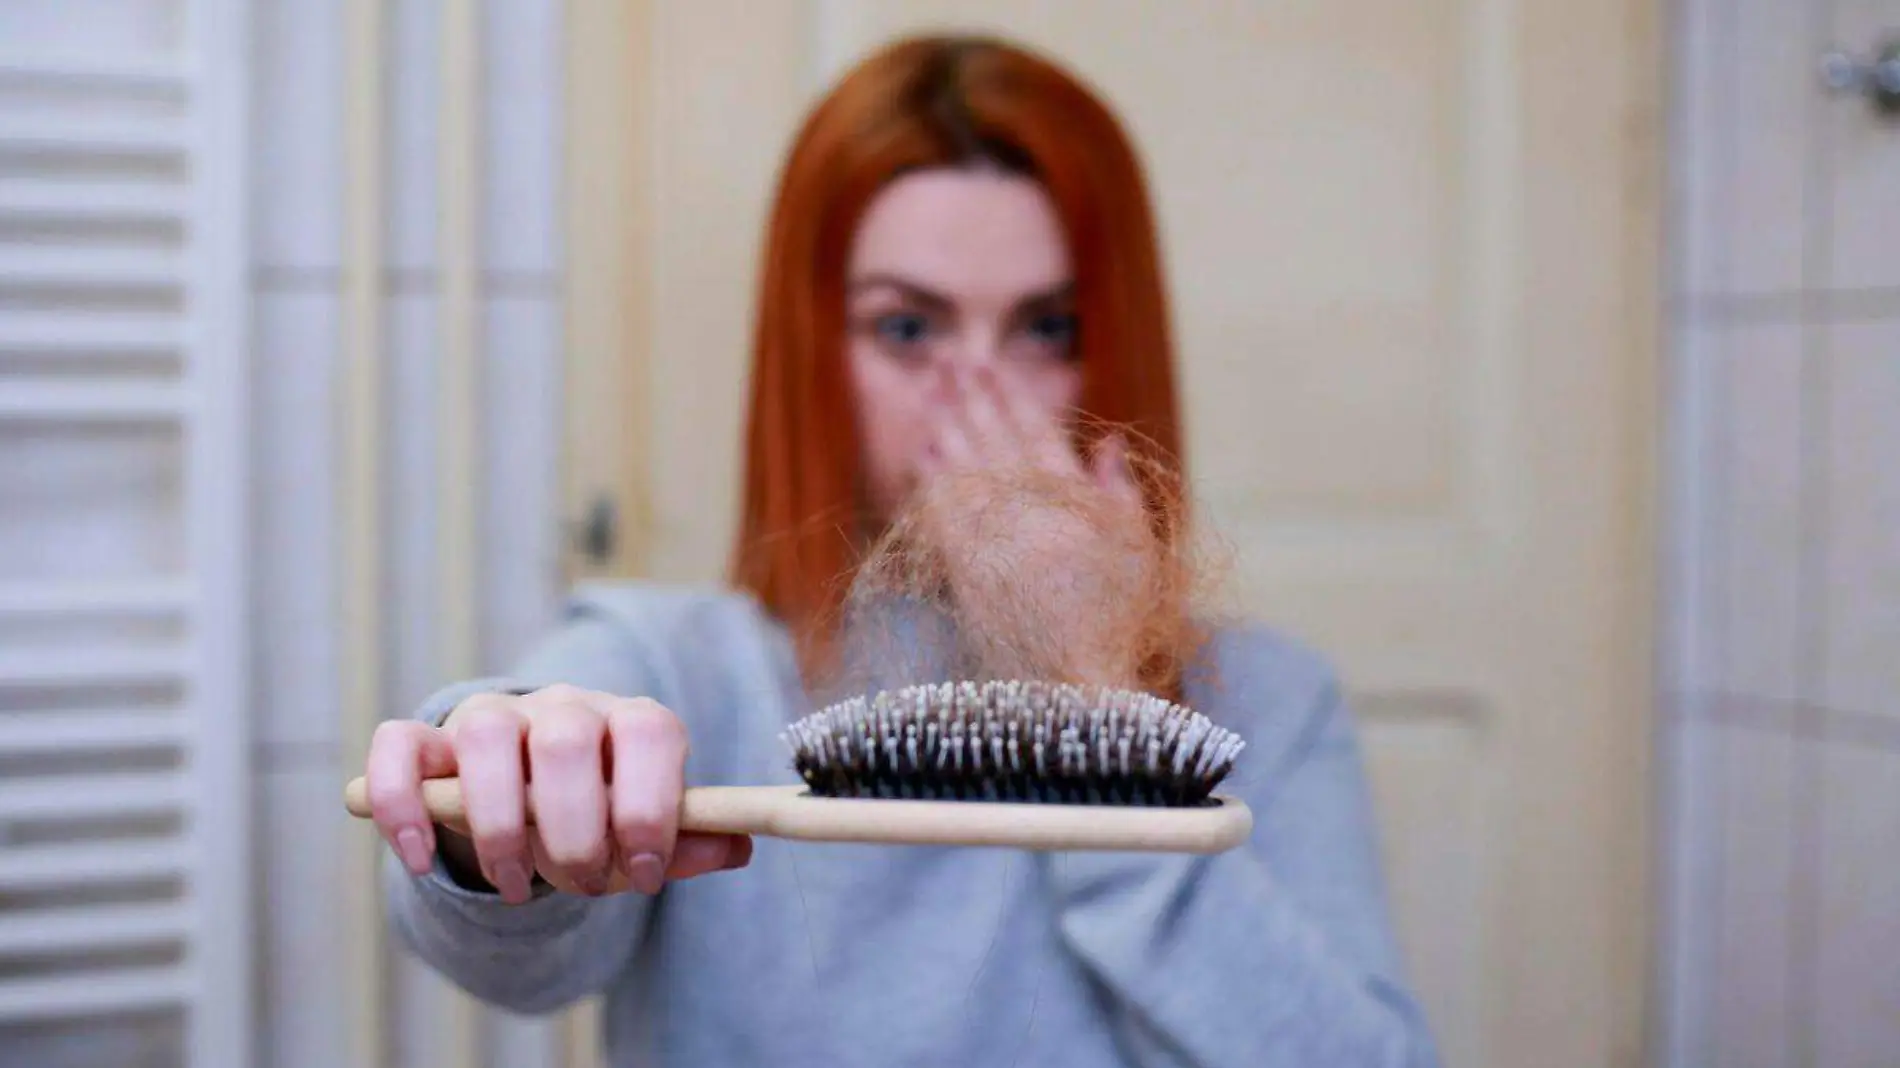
pixel 929 102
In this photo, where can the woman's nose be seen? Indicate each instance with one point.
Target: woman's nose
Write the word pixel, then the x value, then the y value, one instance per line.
pixel 974 350
pixel 954 374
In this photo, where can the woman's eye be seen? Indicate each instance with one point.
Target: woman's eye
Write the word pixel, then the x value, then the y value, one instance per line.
pixel 904 328
pixel 1053 329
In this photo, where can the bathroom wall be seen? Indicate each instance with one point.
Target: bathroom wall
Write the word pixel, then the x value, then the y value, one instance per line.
pixel 300 256
pixel 1784 660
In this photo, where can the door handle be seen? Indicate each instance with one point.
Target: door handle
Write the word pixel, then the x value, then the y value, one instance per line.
pixel 597 534
pixel 1876 77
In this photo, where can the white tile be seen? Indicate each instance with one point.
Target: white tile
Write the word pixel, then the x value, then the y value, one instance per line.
pixel 301 959
pixel 1692 858
pixel 1862 669
pixel 521 135
pixel 1857 990
pixel 1695 494
pixel 527 1041
pixel 1704 142
pixel 520 555
pixel 295 517
pixel 1865 162
pixel 1752 1003
pixel 414 147
pixel 424 1005
pixel 410 515
pixel 1763 521
pixel 1771 77
pixel 297 126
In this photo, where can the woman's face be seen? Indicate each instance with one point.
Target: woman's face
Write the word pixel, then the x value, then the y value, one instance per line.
pixel 951 270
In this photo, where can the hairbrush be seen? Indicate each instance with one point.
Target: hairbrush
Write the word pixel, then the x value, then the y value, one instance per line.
pixel 1032 765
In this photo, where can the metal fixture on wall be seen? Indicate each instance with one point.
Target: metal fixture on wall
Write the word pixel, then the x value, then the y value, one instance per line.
pixel 596 535
pixel 1876 76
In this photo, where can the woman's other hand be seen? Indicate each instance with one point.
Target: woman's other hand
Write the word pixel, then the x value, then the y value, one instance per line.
pixel 604 775
pixel 982 424
pixel 1031 534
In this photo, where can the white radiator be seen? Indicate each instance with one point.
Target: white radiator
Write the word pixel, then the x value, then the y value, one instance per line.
pixel 125 885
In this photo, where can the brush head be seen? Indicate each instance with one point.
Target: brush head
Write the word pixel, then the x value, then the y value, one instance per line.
pixel 1013 741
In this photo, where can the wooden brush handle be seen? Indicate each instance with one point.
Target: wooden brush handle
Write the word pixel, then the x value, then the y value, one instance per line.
pixel 792 812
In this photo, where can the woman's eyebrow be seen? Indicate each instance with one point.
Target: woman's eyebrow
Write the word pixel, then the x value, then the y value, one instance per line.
pixel 1054 297
pixel 908 288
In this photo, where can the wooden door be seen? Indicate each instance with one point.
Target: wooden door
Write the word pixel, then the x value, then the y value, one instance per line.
pixel 1410 257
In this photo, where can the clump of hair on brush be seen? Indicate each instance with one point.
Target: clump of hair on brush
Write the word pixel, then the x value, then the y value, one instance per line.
pixel 1022 573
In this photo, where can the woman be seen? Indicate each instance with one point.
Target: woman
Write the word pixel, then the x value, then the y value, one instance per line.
pixel 961 257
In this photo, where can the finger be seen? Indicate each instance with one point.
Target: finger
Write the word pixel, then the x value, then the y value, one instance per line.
pixel 1039 436
pixel 568 784
pixel 1112 471
pixel 401 755
pixel 702 854
pixel 929 462
pixel 984 417
pixel 951 438
pixel 649 747
pixel 694 855
pixel 487 733
pixel 561 876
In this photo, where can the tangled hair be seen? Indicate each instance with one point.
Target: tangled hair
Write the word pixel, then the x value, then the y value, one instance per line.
pixel 1001 573
pixel 940 101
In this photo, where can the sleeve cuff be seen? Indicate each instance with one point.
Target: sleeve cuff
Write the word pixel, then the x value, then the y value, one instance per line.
pixel 547 911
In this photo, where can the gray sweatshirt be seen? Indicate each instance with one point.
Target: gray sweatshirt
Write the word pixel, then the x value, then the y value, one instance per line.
pixel 1277 953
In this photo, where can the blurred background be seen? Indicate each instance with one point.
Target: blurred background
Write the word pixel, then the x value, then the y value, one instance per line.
pixel 1542 359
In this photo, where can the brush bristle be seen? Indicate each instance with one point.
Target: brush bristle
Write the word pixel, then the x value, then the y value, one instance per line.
pixel 1013 741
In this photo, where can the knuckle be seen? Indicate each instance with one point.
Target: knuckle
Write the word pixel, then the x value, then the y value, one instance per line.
pixel 500 829
pixel 649 724
pixel 394 732
pixel 578 857
pixel 480 705
pixel 502 834
pixel 560 693
pixel 387 797
pixel 560 736
pixel 500 840
pixel 641 823
pixel 560 702
pixel 488 724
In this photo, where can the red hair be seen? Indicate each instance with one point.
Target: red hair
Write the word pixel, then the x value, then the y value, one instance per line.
pixel 931 102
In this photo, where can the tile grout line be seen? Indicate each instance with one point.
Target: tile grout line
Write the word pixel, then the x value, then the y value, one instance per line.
pixel 1839 305
pixel 408 281
pixel 1855 727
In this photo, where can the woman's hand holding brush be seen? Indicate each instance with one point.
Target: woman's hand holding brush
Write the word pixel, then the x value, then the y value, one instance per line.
pixel 1066 583
pixel 602 774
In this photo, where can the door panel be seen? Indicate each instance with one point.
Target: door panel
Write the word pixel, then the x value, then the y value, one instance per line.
pixel 1410 279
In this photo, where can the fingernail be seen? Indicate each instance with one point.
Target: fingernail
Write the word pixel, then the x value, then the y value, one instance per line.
pixel 648 873
pixel 511 878
pixel 596 884
pixel 740 856
pixel 413 850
